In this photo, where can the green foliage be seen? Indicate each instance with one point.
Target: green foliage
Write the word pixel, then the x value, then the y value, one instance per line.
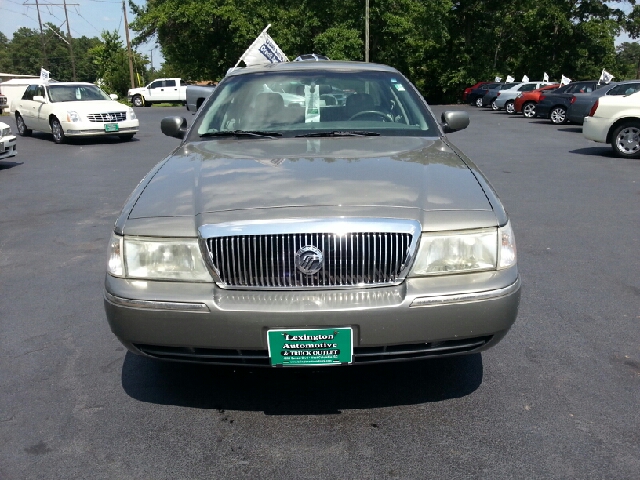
pixel 627 61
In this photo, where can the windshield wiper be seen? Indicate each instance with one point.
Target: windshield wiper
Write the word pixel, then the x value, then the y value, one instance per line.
pixel 242 133
pixel 337 133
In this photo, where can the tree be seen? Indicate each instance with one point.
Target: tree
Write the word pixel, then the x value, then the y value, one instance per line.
pixel 628 60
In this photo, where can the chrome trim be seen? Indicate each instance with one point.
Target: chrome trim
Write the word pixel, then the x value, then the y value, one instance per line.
pixel 316 228
pixel 156 304
pixel 466 297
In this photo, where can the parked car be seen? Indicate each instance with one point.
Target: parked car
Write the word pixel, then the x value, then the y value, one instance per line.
pixel 525 102
pixel 615 119
pixel 197 94
pixel 489 98
pixel 73 109
pixel 468 90
pixel 312 234
pixel 162 90
pixel 3 103
pixel 507 98
pixel 581 103
pixel 554 105
pixel 8 146
pixel 474 97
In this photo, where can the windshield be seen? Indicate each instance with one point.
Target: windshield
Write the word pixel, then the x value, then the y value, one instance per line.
pixel 309 102
pixel 76 93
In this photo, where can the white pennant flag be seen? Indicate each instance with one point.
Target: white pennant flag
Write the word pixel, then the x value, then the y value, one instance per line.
pixel 545 77
pixel 510 79
pixel 263 51
pixel 44 75
pixel 606 77
pixel 497 79
pixel 525 79
pixel 565 80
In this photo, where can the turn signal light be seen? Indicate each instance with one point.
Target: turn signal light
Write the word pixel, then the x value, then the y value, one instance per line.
pixel 573 100
pixel 592 112
pixel 542 97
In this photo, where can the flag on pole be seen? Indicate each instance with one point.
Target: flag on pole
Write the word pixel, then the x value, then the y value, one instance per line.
pixel 44 75
pixel 606 77
pixel 497 79
pixel 525 79
pixel 565 80
pixel 545 77
pixel 510 79
pixel 263 51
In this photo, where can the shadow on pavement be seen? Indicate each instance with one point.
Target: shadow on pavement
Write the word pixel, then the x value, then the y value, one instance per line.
pixel 599 151
pixel 317 391
pixel 4 165
pixel 571 129
pixel 91 140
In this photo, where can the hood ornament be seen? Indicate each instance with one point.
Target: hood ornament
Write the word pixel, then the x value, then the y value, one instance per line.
pixel 309 259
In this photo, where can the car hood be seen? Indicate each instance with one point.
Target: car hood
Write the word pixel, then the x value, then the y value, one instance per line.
pixel 358 176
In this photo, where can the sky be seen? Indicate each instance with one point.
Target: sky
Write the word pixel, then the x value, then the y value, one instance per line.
pixel 87 18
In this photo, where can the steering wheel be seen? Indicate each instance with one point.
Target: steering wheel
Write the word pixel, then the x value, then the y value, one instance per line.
pixel 384 116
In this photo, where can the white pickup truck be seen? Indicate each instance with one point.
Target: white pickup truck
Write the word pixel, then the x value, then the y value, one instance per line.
pixel 161 90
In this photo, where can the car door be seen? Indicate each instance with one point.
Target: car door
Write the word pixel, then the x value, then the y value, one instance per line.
pixel 42 110
pixel 155 91
pixel 170 91
pixel 27 107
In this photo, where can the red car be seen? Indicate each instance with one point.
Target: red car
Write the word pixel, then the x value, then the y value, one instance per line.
pixel 468 90
pixel 525 102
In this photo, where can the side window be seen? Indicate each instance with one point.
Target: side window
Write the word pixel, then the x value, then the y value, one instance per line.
pixel 40 91
pixel 170 83
pixel 156 84
pixel 626 89
pixel 29 92
pixel 527 88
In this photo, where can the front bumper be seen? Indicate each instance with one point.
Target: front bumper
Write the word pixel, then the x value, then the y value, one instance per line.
pixel 84 129
pixel 420 318
pixel 8 146
pixel 596 128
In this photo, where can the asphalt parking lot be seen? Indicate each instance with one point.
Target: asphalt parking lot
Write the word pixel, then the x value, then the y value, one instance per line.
pixel 557 398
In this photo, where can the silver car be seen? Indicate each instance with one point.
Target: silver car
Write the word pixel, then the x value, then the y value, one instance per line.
pixel 506 98
pixel 315 234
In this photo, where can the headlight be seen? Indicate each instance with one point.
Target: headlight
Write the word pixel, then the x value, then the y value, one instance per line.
pixel 465 251
pixel 132 114
pixel 73 116
pixel 157 259
pixel 5 132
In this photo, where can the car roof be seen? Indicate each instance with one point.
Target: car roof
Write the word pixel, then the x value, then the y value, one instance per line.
pixel 332 65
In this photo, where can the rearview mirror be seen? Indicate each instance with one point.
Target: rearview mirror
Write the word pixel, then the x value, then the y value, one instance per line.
pixel 454 121
pixel 113 96
pixel 38 98
pixel 174 127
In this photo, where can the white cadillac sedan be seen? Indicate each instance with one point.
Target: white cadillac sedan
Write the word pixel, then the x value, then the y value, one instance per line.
pixel 7 142
pixel 73 110
pixel 616 120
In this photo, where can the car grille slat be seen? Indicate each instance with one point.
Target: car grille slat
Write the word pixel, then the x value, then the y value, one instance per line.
pixel 351 259
pixel 107 117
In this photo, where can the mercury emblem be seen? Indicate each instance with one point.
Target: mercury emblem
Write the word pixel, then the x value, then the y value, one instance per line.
pixel 309 260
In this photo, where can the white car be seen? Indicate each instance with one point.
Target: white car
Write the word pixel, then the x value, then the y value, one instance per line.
pixel 7 142
pixel 75 109
pixel 616 120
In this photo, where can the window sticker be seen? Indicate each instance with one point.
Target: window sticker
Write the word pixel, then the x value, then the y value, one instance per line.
pixel 393 80
pixel 399 87
pixel 312 102
pixel 78 94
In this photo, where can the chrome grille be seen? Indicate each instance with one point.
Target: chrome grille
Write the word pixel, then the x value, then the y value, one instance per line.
pixel 350 258
pixel 107 117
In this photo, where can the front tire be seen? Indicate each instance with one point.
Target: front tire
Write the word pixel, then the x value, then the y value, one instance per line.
pixel 529 110
pixel 625 140
pixel 23 131
pixel 479 102
pixel 57 131
pixel 137 101
pixel 558 115
pixel 510 108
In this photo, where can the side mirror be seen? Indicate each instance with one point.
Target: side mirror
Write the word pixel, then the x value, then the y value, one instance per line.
pixel 113 96
pixel 39 99
pixel 454 121
pixel 174 127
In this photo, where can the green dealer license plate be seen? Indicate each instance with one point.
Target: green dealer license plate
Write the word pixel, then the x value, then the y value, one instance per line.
pixel 110 127
pixel 327 346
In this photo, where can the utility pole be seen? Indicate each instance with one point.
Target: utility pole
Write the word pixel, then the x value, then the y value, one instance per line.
pixel 45 62
pixel 73 60
pixel 366 31
pixel 126 30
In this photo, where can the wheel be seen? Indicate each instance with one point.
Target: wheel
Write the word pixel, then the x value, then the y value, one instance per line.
pixel 510 107
pixel 494 106
pixel 56 131
pixel 625 140
pixel 23 131
pixel 382 115
pixel 479 102
pixel 529 110
pixel 137 101
pixel 558 115
pixel 126 137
